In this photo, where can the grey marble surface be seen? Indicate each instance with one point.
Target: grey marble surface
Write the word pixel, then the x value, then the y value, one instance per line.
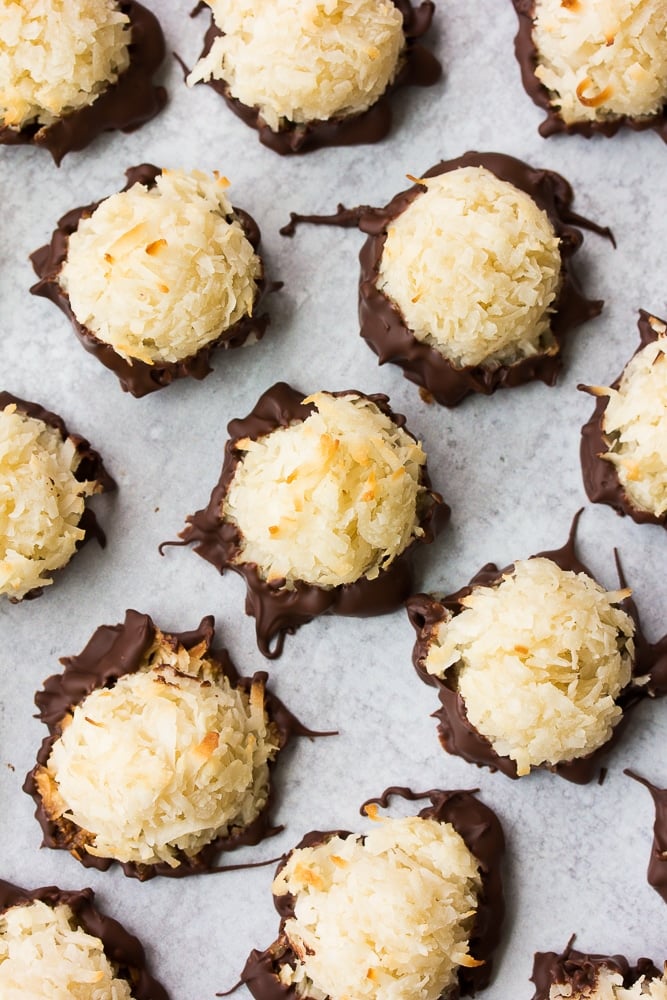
pixel 507 465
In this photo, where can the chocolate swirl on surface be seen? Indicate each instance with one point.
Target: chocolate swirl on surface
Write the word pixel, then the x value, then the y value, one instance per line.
pixel 90 469
pixel 657 866
pixel 458 736
pixel 121 948
pixel 581 971
pixel 135 376
pixel 419 68
pixel 277 609
pixel 482 833
pixel 126 104
pixel 601 480
pixel 528 58
pixel 112 652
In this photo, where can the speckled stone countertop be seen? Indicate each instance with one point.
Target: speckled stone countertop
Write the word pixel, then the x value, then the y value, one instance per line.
pixel 508 466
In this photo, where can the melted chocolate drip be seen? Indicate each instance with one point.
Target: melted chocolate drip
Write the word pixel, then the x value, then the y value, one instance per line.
pixel 278 610
pixel 90 469
pixel 420 68
pixel 112 652
pixel 482 833
pixel 528 58
pixel 582 971
pixel 135 376
pixel 127 104
pixel 121 948
pixel 458 736
pixel 601 480
pixel 657 866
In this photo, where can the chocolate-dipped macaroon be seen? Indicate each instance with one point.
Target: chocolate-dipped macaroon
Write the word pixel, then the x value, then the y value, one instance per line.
pixel 536 665
pixel 72 70
pixel 362 912
pixel 595 65
pixel 158 276
pixel 578 976
pixel 657 866
pixel 159 755
pixel 307 75
pixel 320 503
pixel 47 475
pixel 624 444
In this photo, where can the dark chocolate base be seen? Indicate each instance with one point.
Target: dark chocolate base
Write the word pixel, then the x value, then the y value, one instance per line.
pixel 386 332
pixel 601 480
pixel 482 833
pixel 135 376
pixel 121 948
pixel 278 610
pixel 581 971
pixel 90 469
pixel 126 105
pixel 456 733
pixel 527 57
pixel 657 866
pixel 420 68
pixel 112 652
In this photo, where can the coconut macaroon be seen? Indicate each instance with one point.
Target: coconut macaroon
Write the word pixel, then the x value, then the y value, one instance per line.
pixel 76 63
pixel 474 266
pixel 305 73
pixel 397 912
pixel 156 276
pixel 46 477
pixel 624 446
pixel 579 976
pixel 56 944
pixel 319 503
pixel 165 766
pixel 595 64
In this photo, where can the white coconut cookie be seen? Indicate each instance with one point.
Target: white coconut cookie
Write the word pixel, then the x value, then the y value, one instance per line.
pixel 58 56
pixel 303 60
pixel 170 758
pixel 389 914
pixel 539 660
pixel 44 952
pixel 634 423
pixel 159 272
pixel 474 266
pixel 329 499
pixel 602 59
pixel 41 501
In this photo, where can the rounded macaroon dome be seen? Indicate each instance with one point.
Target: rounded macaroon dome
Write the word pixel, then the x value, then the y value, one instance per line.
pixel 473 264
pixel 602 59
pixel 300 61
pixel 57 57
pixel 159 271
pixel 539 660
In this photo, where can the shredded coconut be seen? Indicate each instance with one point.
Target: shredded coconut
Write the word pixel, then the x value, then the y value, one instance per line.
pixel 45 953
pixel 600 59
pixel 304 60
pixel 609 986
pixel 168 759
pixel 159 272
pixel 330 499
pixel 635 423
pixel 389 914
pixel 57 56
pixel 539 660
pixel 474 266
pixel 41 502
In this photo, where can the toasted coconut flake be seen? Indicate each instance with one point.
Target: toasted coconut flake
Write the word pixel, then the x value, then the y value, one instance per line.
pixel 44 952
pixel 304 60
pixel 163 299
pixel 539 660
pixel 602 59
pixel 323 525
pixel 394 920
pixel 474 266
